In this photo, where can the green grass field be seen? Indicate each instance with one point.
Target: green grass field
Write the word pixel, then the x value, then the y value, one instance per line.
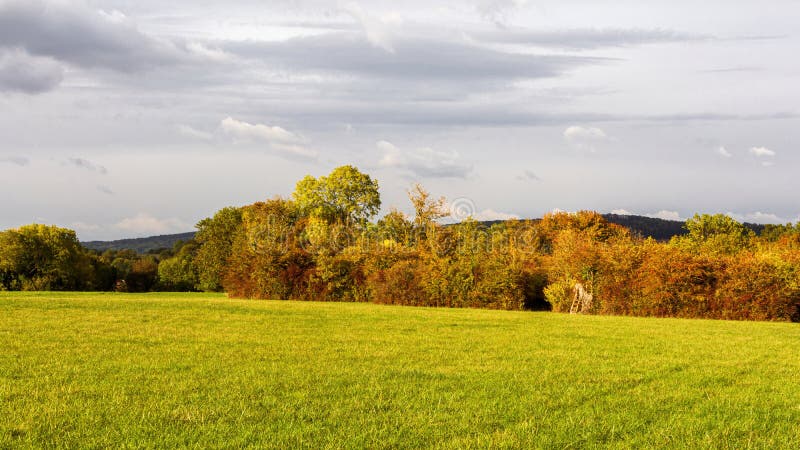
pixel 202 371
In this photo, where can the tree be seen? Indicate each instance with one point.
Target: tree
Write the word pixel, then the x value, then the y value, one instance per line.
pixel 42 257
pixel 143 275
pixel 427 210
pixel 714 234
pixel 215 238
pixel 178 272
pixel 345 195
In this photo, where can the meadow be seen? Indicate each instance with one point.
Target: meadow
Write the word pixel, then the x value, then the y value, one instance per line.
pixel 89 370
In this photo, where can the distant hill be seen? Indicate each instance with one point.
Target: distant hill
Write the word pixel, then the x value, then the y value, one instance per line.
pixel 140 245
pixel 658 229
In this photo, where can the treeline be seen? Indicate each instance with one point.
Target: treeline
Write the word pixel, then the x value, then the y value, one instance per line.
pixel 321 244
pixel 48 258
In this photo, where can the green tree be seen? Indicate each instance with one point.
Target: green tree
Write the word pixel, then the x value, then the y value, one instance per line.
pixel 345 195
pixel 178 273
pixel 714 234
pixel 215 238
pixel 42 257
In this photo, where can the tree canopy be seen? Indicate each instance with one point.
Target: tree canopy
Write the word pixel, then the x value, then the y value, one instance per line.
pixel 344 195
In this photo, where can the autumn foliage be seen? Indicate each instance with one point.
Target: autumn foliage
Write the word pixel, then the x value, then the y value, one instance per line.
pixel 333 252
pixel 323 244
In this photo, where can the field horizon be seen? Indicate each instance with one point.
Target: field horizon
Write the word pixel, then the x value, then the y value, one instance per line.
pixel 202 370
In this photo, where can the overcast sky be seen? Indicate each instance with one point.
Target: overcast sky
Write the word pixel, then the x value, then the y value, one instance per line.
pixel 123 118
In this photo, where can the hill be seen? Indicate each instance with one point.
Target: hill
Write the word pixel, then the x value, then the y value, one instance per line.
pixel 658 229
pixel 140 245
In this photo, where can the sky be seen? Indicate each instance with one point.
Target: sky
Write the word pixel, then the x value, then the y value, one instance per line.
pixel 128 118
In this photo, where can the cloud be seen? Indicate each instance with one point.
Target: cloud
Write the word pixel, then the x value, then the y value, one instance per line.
pixel 74 33
pixel 760 152
pixel 144 223
pixel 496 11
pixel 587 38
pixel 585 138
pixel 87 165
pixel 722 151
pixel 733 69
pixel 490 214
pixel 105 189
pixel 279 139
pixel 187 131
pixel 21 72
pixel 18 160
pixel 758 217
pixel 666 215
pixel 83 227
pixel 416 58
pixel 376 30
pixel 663 214
pixel 423 162
pixel 208 53
pixel 528 175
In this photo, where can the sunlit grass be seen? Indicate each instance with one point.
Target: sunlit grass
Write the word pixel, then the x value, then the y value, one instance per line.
pixel 200 370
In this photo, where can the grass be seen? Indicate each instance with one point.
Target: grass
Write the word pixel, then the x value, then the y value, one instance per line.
pixel 202 371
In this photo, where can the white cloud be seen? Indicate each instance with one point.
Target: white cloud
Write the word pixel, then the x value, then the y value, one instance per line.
pixel 585 138
pixel 207 53
pixel 666 215
pixel 280 139
pixel 376 29
pixel 490 214
pixel 497 11
pixel 423 162
pixel 83 227
pixel 663 214
pixel 144 223
pixel 760 152
pixel 247 131
pixel 193 133
pixel 722 151
pixel 758 217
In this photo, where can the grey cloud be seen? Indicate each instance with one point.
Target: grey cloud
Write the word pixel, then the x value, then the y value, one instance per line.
pixel 81 36
pixel 528 175
pixel 18 160
pixel 411 59
pixel 105 189
pixel 588 38
pixel 87 165
pixel 21 72
pixel 465 113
